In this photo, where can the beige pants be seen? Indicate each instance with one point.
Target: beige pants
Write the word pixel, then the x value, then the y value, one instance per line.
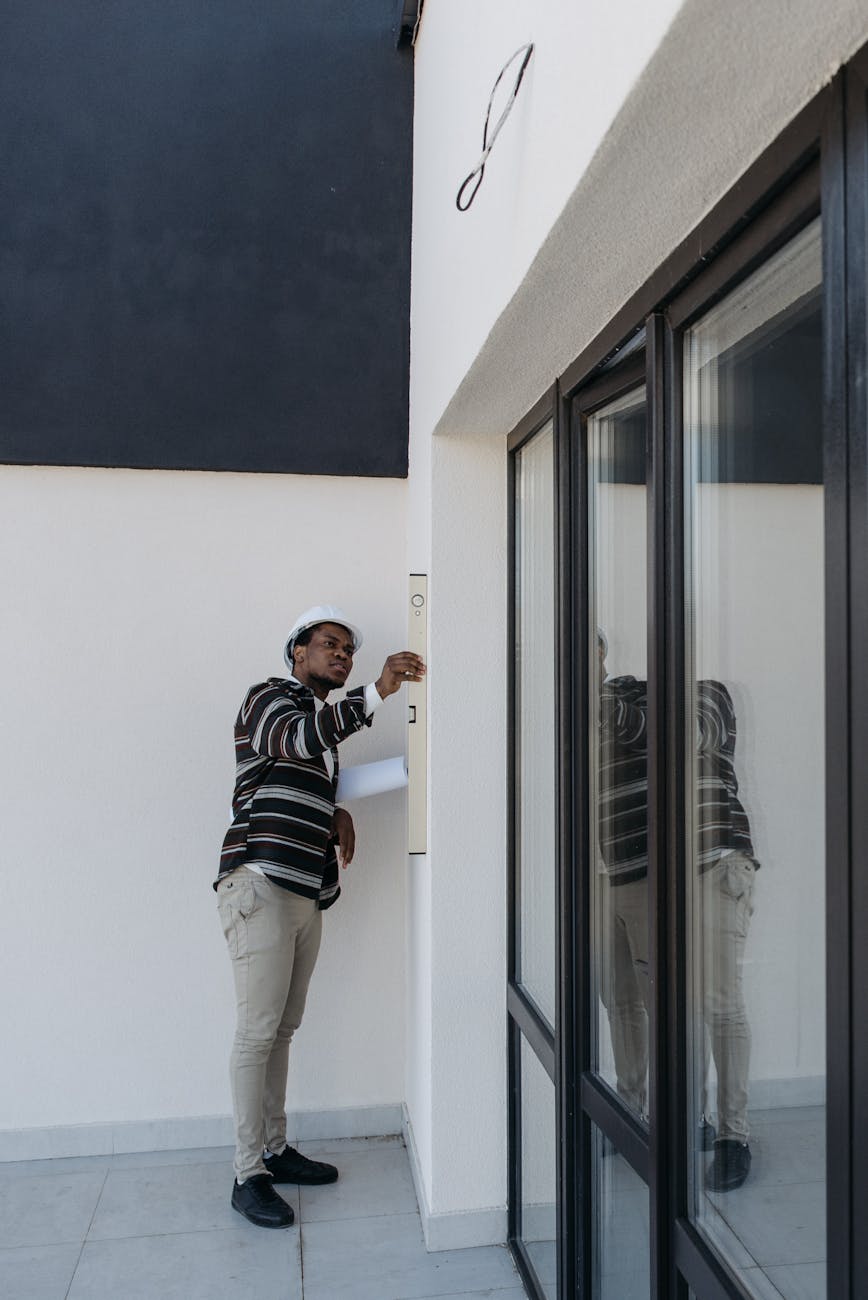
pixel 273 938
pixel 726 901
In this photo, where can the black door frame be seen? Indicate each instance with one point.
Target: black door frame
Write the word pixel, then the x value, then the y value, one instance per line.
pixel 525 1021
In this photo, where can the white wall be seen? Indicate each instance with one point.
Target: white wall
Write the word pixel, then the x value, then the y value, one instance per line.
pixel 632 122
pixel 467 266
pixel 456 1063
pixel 138 608
pixel 468 823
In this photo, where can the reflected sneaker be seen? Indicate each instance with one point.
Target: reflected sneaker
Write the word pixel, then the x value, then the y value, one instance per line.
pixel 257 1200
pixel 292 1167
pixel 706 1135
pixel 730 1166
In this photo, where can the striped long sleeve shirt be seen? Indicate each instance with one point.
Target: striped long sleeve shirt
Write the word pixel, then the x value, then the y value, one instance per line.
pixel 284 797
pixel 721 823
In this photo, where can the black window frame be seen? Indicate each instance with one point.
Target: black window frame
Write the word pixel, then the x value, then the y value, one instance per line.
pixel 525 1021
pixel 819 164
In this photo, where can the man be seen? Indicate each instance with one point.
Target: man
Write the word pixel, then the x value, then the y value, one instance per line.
pixel 278 873
pixel 726 866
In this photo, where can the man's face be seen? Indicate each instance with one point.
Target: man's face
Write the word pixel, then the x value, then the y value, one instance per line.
pixel 327 659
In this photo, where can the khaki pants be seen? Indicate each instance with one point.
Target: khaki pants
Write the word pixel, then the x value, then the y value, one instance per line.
pixel 726 900
pixel 727 907
pixel 273 938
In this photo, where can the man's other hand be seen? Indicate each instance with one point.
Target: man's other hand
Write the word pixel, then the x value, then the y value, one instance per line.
pixel 343 828
pixel 398 669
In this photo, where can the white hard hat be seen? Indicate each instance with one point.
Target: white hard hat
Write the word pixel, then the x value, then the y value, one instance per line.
pixel 310 618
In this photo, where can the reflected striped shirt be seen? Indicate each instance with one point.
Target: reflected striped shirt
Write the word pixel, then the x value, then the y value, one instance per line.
pixel 721 822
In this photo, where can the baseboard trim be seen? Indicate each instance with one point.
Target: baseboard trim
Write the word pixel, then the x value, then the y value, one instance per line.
pixel 459 1231
pixel 774 1094
pixel 416 1171
pixel 191 1131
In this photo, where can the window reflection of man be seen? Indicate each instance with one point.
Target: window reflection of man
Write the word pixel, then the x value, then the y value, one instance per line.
pixel 726 867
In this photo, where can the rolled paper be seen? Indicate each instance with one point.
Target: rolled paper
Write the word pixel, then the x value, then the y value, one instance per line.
pixel 372 778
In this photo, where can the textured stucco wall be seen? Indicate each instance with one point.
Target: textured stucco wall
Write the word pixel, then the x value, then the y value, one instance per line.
pixel 631 124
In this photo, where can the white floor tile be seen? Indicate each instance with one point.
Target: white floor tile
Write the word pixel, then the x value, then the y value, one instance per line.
pixel 51 1168
pixel 385 1259
pixel 191 1156
pixel 804 1116
pixel 372 1181
pixel 48 1211
pixel 236 1263
pixel 759 1285
pixel 511 1293
pixel 37 1272
pixel 777 1224
pixel 543 1256
pixel 800 1281
pixel 791 1149
pixel 721 1235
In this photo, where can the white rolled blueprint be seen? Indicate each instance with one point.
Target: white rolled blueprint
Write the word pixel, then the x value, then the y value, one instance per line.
pixel 372 778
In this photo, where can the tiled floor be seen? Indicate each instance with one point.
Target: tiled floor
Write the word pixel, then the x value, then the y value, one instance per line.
pixel 774 1227
pixel 159 1226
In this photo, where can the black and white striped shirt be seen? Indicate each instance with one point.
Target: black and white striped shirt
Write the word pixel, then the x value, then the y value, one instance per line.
pixel 284 796
pixel 721 823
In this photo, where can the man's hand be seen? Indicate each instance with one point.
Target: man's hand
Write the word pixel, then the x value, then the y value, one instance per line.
pixel 343 828
pixel 398 669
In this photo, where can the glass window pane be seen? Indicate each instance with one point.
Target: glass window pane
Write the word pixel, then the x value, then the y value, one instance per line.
pixel 619 748
pixel 756 780
pixel 622 1240
pixel 535 718
pixel 538 1228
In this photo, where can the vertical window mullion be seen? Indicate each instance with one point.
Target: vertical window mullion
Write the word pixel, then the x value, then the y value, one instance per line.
pixel 569 1119
pixel 672 615
pixel 657 794
pixel 513 1137
pixel 672 595
pixel 532 995
pixel 610 454
pixel 856 83
pixel 838 842
pixel 581 839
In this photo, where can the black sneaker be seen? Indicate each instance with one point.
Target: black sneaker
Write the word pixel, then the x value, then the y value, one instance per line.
pixel 257 1200
pixel 706 1134
pixel 730 1166
pixel 292 1167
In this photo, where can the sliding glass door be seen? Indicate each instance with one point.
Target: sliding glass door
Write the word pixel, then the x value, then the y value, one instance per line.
pixel 689 721
pixel 755 774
